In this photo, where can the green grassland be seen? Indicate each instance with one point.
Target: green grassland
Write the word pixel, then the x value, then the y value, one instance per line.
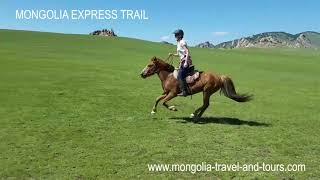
pixel 75 107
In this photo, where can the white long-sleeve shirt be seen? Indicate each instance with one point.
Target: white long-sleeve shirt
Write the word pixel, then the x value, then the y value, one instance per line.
pixel 184 60
pixel 181 51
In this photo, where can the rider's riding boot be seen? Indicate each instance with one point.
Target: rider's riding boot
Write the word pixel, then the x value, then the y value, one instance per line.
pixel 183 87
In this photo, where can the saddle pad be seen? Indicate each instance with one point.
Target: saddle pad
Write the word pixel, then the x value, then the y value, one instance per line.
pixel 189 79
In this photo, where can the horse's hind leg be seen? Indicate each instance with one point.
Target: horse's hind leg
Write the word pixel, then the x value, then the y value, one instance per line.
pixel 195 113
pixel 206 101
pixel 168 98
pixel 154 109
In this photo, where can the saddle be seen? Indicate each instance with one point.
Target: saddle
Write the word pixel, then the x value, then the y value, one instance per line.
pixel 192 76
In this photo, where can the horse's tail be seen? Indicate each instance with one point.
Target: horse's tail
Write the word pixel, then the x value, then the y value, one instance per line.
pixel 228 89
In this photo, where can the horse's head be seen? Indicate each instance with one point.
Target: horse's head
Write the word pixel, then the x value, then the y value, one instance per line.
pixel 155 66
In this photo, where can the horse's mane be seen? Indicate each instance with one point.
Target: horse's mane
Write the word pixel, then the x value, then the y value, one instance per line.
pixel 166 66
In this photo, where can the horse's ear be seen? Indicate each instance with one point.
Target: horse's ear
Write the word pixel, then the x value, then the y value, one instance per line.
pixel 154 58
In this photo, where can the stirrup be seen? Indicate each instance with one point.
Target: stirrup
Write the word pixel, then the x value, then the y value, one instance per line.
pixel 183 94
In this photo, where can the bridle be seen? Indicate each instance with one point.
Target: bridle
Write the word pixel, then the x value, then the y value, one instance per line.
pixel 155 69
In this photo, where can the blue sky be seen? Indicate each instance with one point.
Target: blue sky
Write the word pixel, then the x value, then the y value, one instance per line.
pixel 208 20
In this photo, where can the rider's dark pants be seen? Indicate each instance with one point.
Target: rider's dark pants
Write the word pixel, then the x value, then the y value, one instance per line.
pixel 182 80
pixel 182 73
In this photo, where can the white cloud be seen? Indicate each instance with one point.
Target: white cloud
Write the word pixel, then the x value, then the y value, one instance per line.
pixel 165 38
pixel 220 33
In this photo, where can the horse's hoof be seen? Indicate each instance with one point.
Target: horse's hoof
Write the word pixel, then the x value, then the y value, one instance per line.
pixel 172 108
pixel 196 119
pixel 153 112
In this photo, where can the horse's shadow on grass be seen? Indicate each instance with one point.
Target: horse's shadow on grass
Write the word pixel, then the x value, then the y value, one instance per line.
pixel 219 120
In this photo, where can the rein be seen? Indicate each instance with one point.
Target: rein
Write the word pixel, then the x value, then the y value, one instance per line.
pixel 169 60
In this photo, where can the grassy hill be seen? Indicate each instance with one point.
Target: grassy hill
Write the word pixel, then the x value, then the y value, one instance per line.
pixel 74 107
pixel 313 36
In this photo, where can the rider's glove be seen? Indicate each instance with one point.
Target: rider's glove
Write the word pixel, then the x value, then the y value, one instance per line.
pixel 185 64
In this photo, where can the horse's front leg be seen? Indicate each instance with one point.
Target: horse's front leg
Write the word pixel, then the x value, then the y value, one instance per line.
pixel 154 109
pixel 168 98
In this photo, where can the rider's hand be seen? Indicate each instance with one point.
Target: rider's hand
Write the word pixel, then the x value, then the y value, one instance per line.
pixel 185 65
pixel 170 54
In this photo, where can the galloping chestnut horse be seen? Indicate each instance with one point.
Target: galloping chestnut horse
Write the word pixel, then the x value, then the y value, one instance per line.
pixel 208 83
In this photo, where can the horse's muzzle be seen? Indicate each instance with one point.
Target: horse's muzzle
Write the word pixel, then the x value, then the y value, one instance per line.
pixel 143 75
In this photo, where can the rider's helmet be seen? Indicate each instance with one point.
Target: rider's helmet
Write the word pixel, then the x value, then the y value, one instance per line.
pixel 178 33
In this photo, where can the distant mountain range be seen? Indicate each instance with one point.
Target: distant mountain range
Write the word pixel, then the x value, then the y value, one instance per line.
pixel 166 42
pixel 308 39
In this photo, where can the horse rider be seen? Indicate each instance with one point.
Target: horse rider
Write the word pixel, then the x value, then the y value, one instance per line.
pixel 185 61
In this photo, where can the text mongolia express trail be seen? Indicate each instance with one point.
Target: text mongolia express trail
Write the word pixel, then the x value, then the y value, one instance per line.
pixel 82 14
